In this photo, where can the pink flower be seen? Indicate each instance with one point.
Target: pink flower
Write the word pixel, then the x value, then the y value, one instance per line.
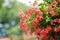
pixel 19 15
pixel 51 22
pixel 24 17
pixel 59 21
pixel 53 3
pixel 52 12
pixel 55 29
pixel 58 29
pixel 56 20
pixel 22 25
pixel 35 21
pixel 39 17
pixel 38 12
pixel 30 32
pixel 29 12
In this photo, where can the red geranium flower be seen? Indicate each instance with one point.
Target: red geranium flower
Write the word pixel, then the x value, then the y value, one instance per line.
pixel 19 15
pixel 59 21
pixel 48 29
pixel 44 38
pixel 39 17
pixel 38 12
pixel 56 20
pixel 22 25
pixel 55 29
pixel 29 12
pixel 35 21
pixel 37 31
pixel 43 33
pixel 34 25
pixel 53 3
pixel 58 29
pixel 51 38
pixel 52 12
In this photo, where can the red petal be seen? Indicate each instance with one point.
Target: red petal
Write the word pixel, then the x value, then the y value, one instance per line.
pixel 51 38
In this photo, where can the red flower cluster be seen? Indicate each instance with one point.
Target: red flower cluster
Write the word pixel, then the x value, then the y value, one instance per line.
pixel 34 20
pixel 23 25
pixel 52 13
pixel 29 12
pixel 57 29
pixel 55 21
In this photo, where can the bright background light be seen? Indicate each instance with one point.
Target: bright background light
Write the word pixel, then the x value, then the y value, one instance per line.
pixel 27 1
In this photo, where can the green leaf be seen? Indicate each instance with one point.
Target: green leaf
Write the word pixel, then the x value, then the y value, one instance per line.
pixel 46 13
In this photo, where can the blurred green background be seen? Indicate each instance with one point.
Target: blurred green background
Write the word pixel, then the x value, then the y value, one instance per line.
pixel 9 21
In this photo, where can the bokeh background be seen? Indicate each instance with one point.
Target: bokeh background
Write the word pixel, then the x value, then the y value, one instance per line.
pixel 9 21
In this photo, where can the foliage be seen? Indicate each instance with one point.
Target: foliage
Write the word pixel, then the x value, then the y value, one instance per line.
pixel 6 12
pixel 14 31
pixel 9 18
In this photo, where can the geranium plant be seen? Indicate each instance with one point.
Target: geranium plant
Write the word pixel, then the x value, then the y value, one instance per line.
pixel 43 21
